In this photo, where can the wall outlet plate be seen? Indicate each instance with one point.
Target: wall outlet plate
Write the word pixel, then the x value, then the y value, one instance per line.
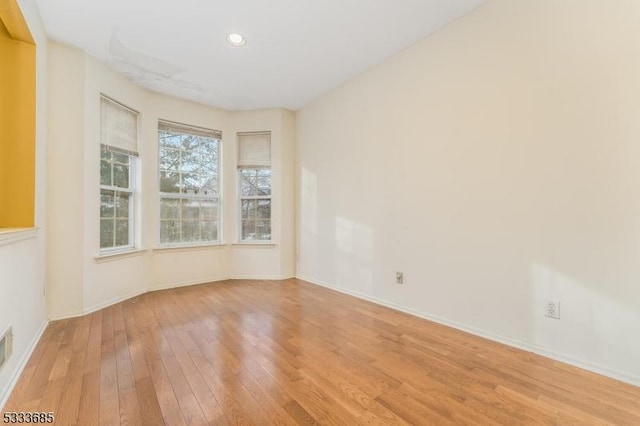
pixel 399 277
pixel 552 309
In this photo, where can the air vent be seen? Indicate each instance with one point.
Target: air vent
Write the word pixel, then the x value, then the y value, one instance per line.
pixel 5 346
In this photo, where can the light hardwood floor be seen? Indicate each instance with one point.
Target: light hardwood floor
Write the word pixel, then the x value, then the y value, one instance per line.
pixel 288 352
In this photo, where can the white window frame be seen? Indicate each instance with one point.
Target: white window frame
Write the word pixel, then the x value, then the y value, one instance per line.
pixel 189 129
pixel 130 189
pixel 122 142
pixel 241 197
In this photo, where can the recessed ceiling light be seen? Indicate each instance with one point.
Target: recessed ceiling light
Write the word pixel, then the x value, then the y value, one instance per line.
pixel 236 39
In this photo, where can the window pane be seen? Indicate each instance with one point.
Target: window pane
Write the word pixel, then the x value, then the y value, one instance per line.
pixel 121 176
pixel 190 161
pixel 248 180
pixel 263 230
pixel 169 159
pixel 264 209
pixel 248 209
pixel 209 162
pixel 204 184
pixel 170 182
pixel 190 230
pixel 169 208
pixel 105 154
pixel 106 233
pixel 209 209
pixel 191 183
pixel 122 205
pixel 122 232
pixel 168 139
pixel 169 231
pixel 190 209
pixel 120 158
pixel 209 230
pixel 105 172
pixel 255 182
pixel 190 142
pixel 209 186
pixel 248 229
pixel 264 184
pixel 107 203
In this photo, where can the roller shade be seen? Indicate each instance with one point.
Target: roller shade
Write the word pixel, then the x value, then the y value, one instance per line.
pixel 254 150
pixel 171 127
pixel 118 125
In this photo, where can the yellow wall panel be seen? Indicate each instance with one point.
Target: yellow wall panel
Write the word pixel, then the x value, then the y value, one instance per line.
pixel 17 119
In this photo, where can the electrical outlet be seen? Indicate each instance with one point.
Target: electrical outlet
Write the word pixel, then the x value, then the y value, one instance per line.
pixel 399 277
pixel 552 309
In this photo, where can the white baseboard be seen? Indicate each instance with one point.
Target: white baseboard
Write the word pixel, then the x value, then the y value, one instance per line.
pixel 174 285
pixel 138 292
pixel 4 397
pixel 186 283
pixel 112 301
pixel 68 315
pixel 261 277
pixel 567 359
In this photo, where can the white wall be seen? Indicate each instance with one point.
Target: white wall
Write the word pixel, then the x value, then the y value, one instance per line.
pixel 495 163
pixel 22 261
pixel 79 282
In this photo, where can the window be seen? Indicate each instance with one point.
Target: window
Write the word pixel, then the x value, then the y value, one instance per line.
pixel 254 177
pixel 189 184
pixel 118 157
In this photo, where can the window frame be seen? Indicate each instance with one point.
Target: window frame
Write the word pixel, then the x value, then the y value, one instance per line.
pixel 130 190
pixel 249 159
pixel 254 197
pixel 133 183
pixel 217 192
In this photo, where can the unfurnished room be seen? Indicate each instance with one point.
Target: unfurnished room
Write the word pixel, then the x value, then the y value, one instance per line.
pixel 420 212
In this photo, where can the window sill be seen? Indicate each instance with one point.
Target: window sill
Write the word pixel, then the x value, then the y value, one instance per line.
pixel 177 249
pixel 109 257
pixel 14 235
pixel 254 244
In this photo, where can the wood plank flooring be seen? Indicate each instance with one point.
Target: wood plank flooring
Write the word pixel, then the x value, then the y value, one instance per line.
pixel 288 352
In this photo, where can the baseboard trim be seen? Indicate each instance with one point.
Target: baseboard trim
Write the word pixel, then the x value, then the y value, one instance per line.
pixel 261 277
pixel 139 292
pixel 69 315
pixel 576 362
pixel 4 397
pixel 112 301
pixel 187 283
pixel 132 294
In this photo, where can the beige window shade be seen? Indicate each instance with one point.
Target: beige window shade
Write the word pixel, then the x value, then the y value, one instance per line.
pixel 254 150
pixel 118 125
pixel 171 127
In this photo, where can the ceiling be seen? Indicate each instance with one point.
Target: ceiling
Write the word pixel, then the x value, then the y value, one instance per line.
pixel 295 51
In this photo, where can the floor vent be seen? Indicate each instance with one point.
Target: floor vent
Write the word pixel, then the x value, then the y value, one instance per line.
pixel 5 346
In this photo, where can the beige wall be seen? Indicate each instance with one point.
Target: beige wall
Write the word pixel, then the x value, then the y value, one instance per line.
pixel 65 218
pixel 275 262
pixel 79 282
pixel 495 163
